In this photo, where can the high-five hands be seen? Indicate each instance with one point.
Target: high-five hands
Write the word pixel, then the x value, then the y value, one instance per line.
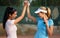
pixel 26 2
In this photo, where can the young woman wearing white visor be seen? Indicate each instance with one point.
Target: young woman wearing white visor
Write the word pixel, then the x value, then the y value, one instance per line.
pixel 44 22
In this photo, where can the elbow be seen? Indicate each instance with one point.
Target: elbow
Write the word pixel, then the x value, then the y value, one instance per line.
pixel 29 16
pixel 22 16
pixel 50 34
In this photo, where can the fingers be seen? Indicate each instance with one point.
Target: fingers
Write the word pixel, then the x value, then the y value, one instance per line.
pixel 45 19
pixel 26 3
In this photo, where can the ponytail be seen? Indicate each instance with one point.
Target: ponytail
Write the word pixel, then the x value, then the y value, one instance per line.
pixel 48 13
pixel 9 10
pixel 5 17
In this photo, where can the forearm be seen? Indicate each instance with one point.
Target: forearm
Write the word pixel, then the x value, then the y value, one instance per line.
pixel 29 15
pixel 28 12
pixel 49 30
pixel 22 15
pixel 49 27
pixel 23 12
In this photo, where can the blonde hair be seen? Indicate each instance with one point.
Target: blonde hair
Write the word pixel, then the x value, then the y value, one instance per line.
pixel 48 11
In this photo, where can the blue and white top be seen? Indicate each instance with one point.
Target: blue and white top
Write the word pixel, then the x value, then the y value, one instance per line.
pixel 41 28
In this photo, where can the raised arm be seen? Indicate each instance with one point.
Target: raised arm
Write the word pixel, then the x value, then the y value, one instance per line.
pixel 22 15
pixel 49 28
pixel 29 15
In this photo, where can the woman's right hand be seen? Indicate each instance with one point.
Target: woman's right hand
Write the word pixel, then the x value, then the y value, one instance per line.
pixel 25 3
pixel 28 13
pixel 23 13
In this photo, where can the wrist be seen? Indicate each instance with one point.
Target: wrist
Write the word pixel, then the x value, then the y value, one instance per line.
pixel 46 23
pixel 25 6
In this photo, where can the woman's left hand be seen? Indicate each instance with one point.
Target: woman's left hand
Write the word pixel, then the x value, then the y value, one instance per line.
pixel 46 19
pixel 25 3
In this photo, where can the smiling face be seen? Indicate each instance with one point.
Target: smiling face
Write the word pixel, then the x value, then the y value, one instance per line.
pixel 13 15
pixel 41 14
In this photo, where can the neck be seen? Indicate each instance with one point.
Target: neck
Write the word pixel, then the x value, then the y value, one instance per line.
pixel 10 18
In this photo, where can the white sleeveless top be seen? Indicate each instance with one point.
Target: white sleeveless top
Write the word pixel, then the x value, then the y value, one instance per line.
pixel 11 29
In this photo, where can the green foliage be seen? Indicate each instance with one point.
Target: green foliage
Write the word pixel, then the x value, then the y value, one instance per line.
pixel 34 3
pixel 10 2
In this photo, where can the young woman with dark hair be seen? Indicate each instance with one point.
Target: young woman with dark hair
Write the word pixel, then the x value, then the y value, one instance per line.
pixel 9 21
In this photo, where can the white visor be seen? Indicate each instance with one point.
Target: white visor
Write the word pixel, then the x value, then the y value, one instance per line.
pixel 40 10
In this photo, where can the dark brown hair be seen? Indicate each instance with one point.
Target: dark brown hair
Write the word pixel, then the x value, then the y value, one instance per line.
pixel 9 10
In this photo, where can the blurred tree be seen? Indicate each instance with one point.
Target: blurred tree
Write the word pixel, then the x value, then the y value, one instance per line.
pixel 46 3
pixel 10 2
pixel 34 3
pixel 53 2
